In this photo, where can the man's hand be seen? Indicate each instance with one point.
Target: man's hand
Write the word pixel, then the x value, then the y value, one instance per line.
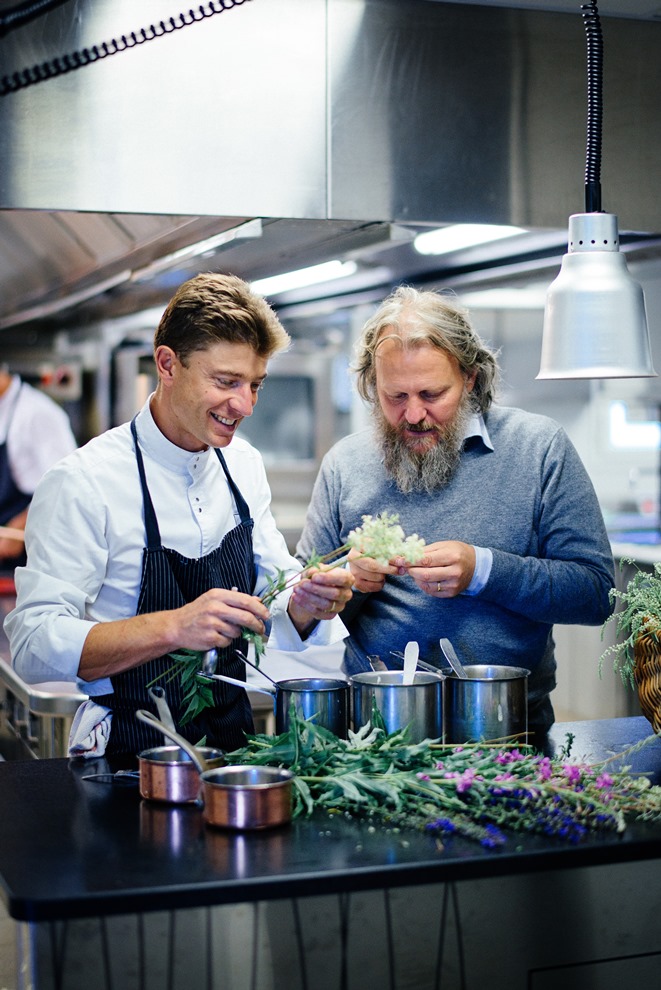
pixel 445 570
pixel 321 594
pixel 211 621
pixel 217 617
pixel 368 574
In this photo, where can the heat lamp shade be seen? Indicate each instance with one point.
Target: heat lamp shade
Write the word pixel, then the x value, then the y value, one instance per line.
pixel 595 324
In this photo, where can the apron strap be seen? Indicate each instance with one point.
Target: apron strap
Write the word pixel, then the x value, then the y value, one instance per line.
pixel 241 504
pixel 151 522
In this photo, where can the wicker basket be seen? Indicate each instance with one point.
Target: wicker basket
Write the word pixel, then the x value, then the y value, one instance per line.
pixel 647 675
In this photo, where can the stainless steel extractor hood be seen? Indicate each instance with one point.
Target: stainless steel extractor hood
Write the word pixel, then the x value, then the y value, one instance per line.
pixel 331 126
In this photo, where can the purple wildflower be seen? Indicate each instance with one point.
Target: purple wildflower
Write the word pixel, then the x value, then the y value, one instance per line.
pixel 465 781
pixel 544 769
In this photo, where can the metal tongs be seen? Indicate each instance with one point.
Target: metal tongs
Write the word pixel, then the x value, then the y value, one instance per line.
pixel 429 667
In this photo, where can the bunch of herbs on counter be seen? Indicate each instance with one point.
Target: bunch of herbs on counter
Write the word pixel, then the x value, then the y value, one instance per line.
pixel 474 790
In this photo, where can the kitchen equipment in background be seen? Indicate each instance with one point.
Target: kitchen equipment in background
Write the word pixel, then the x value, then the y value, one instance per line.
pixel 491 702
pixel 418 705
pixel 595 324
pixel 247 797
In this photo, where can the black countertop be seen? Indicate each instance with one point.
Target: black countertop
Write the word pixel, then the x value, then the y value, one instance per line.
pixel 73 848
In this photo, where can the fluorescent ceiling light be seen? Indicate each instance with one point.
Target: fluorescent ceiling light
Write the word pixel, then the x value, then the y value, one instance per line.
pixel 314 275
pixel 461 235
pixel 505 298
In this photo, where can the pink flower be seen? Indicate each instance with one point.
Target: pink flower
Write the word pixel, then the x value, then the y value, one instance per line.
pixel 604 780
pixel 544 769
pixel 465 781
pixel 509 756
pixel 423 776
pixel 572 772
pixel 440 765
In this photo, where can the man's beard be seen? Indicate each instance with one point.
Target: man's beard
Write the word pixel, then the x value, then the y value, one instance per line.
pixel 423 470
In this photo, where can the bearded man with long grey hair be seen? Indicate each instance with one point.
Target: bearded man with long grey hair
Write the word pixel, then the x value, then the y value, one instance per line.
pixel 515 539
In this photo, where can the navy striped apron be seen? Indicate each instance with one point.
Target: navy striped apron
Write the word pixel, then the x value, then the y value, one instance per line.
pixel 170 580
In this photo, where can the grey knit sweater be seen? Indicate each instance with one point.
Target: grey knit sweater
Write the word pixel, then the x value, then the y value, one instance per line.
pixel 529 500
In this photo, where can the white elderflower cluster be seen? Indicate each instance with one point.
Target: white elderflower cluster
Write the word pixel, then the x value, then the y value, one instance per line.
pixel 382 538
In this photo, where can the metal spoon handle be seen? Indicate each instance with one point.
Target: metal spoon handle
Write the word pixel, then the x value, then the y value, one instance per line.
pixel 157 695
pixel 241 684
pixel 254 666
pixel 452 658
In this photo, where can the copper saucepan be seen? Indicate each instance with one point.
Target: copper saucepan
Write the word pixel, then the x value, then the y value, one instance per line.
pixel 233 797
pixel 172 773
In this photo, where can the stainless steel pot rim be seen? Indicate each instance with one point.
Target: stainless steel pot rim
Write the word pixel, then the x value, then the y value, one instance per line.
pixel 165 755
pixel 247 778
pixel 395 678
pixel 312 684
pixel 490 672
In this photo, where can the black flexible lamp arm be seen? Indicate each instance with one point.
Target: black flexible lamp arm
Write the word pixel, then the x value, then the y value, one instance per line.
pixel 595 48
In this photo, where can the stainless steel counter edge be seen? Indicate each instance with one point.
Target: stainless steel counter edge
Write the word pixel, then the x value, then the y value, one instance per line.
pixel 55 698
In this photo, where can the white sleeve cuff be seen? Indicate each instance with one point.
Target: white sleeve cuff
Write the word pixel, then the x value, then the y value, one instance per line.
pixel 483 562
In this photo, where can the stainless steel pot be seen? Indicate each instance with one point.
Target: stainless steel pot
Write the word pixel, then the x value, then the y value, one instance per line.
pixel 490 703
pixel 324 700
pixel 418 705
pixel 247 797
pixel 167 773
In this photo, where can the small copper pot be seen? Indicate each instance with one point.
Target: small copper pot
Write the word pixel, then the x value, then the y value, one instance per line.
pixel 247 797
pixel 167 773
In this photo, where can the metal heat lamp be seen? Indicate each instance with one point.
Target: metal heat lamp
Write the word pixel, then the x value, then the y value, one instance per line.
pixel 594 321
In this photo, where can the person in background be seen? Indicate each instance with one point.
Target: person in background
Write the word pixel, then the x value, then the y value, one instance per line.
pixel 34 433
pixel 157 537
pixel 515 536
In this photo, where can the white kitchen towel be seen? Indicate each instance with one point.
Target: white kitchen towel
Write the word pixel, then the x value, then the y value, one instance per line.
pixel 90 730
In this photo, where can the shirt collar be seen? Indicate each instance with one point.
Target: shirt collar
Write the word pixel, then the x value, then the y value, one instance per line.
pixel 476 427
pixel 157 446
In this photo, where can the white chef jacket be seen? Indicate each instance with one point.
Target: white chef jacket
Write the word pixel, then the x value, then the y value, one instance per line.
pixel 37 432
pixel 85 537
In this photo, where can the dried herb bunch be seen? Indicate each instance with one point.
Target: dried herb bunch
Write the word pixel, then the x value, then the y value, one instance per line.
pixel 473 790
pixel 638 613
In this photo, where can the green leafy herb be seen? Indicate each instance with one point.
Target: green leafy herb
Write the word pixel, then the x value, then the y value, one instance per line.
pixel 639 615
pixel 474 790
pixel 196 690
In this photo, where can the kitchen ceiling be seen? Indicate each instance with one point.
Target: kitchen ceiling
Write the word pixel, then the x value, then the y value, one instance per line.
pixel 59 266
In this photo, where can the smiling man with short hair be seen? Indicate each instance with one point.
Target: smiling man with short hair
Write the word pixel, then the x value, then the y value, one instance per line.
pixel 158 536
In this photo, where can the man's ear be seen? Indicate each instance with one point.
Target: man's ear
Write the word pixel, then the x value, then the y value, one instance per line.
pixel 165 360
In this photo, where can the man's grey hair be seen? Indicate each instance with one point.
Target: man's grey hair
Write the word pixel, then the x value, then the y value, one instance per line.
pixel 418 318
